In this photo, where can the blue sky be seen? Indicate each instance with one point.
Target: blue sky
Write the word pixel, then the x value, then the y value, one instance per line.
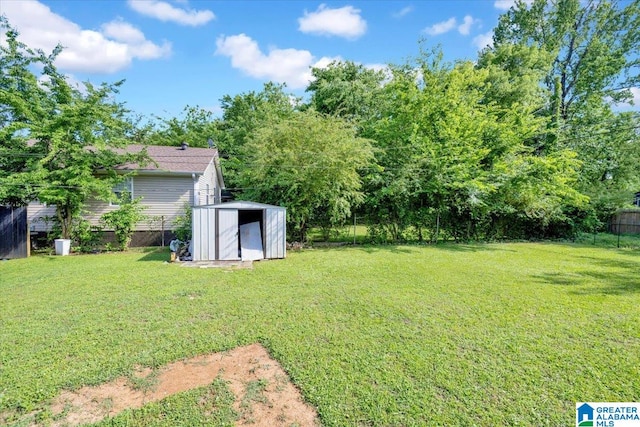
pixel 174 53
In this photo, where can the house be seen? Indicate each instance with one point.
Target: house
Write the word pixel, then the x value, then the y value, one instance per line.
pixel 176 177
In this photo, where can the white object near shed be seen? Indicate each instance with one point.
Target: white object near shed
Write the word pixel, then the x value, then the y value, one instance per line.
pixel 239 231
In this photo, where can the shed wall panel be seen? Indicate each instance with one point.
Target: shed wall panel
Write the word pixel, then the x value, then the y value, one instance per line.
pixel 227 237
pixel 216 230
pixel 204 234
pixel 275 233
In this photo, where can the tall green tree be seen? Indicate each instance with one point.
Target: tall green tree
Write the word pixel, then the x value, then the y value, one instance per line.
pixel 594 51
pixel 347 90
pixel 243 116
pixel 195 126
pixel 309 163
pixel 452 159
pixel 594 46
pixel 66 141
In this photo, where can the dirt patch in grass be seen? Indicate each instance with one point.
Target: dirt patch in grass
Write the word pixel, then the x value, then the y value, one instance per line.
pixel 264 395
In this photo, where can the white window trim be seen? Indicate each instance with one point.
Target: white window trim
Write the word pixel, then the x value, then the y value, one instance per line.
pixel 129 181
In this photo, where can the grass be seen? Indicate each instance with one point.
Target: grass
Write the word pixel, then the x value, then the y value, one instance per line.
pixel 486 335
pixel 205 406
pixel 608 240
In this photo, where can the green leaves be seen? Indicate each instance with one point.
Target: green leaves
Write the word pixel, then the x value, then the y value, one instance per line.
pixel 123 220
pixel 309 163
pixel 73 135
pixel 454 143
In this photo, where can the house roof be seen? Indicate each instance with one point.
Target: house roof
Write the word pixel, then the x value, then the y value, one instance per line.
pixel 173 159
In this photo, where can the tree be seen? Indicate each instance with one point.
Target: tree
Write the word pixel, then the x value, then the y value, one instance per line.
pixel 309 163
pixel 347 90
pixel 452 158
pixel 196 127
pixel 243 115
pixel 66 140
pixel 594 49
pixel 21 99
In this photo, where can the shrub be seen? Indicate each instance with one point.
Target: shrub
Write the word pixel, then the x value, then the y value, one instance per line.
pixel 182 224
pixel 123 220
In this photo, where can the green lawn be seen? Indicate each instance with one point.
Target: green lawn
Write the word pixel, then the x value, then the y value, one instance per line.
pixel 487 335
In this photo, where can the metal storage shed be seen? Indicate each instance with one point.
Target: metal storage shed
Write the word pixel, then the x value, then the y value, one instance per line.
pixel 239 230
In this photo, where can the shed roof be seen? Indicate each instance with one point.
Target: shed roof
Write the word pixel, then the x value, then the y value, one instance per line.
pixel 240 205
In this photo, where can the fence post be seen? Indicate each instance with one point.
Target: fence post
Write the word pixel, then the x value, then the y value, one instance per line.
pixel 28 238
pixel 619 225
pixel 354 229
pixel 162 228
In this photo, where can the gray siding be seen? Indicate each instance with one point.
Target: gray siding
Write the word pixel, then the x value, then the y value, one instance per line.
pixel 39 216
pixel 212 194
pixel 164 198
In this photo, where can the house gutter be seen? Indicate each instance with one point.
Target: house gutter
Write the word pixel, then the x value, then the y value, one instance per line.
pixel 195 189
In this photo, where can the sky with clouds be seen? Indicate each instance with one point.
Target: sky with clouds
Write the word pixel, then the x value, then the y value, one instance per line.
pixel 174 53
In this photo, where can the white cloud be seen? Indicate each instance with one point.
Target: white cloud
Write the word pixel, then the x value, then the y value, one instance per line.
pixel 633 103
pixel 290 66
pixel 325 61
pixel 122 31
pixel 635 91
pixel 84 50
pixel 483 40
pixel 165 12
pixel 402 12
pixel 441 27
pixel 507 4
pixel 465 27
pixel 343 22
pixel 451 24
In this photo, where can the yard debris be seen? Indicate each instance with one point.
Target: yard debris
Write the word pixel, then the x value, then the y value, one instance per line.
pixel 180 251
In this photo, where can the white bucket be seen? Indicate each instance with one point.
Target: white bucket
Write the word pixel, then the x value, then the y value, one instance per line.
pixel 63 246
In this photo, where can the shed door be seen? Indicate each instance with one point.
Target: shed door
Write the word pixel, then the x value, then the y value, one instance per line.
pixel 228 234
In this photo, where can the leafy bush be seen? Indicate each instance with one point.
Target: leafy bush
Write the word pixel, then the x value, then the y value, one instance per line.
pixel 182 224
pixel 85 236
pixel 123 220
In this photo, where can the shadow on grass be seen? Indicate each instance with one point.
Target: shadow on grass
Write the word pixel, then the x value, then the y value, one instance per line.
pixel 395 249
pixel 157 255
pixel 407 248
pixel 608 282
pixel 613 263
pixel 475 247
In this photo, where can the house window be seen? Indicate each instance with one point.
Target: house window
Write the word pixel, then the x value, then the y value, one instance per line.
pixel 123 192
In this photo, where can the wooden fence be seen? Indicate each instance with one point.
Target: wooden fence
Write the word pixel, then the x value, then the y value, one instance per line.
pixel 625 221
pixel 14 233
